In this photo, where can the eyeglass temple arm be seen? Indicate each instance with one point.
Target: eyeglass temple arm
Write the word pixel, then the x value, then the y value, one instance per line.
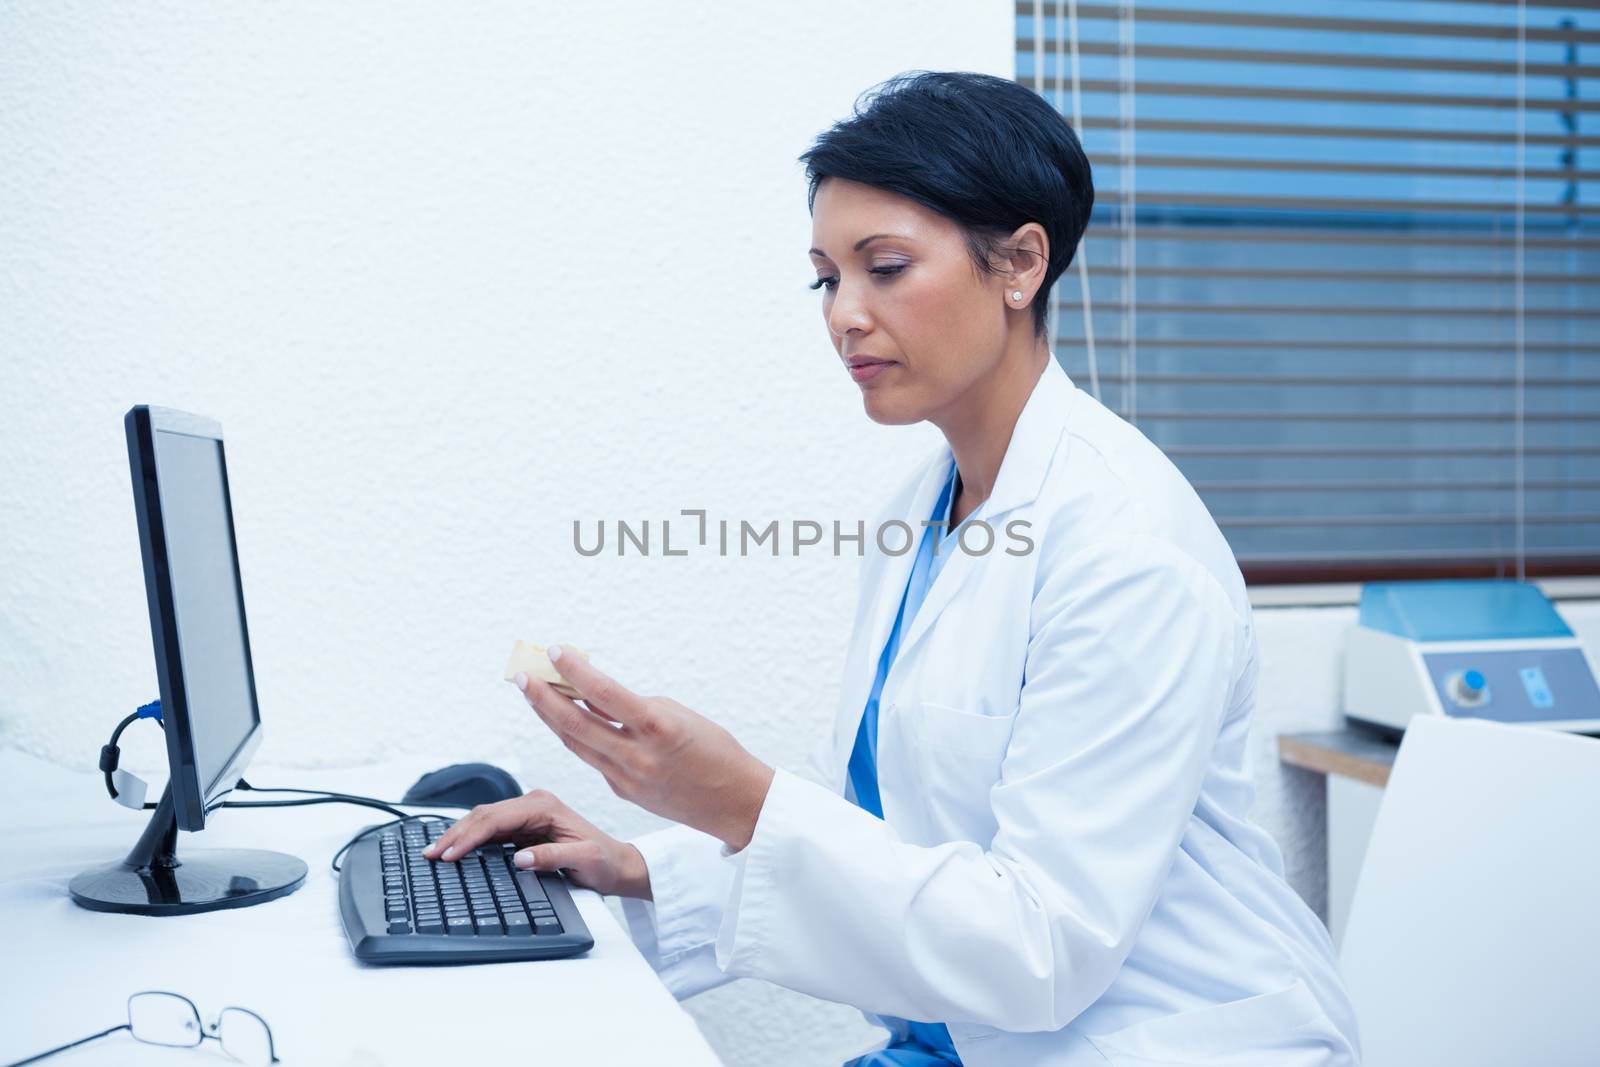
pixel 70 1044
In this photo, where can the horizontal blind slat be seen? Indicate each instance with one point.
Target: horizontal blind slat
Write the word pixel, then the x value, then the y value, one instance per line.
pixel 1288 344
pixel 1113 270
pixel 1310 204
pixel 1162 308
pixel 1275 93
pixel 1386 487
pixel 1405 520
pixel 1256 230
pixel 1354 379
pixel 1256 20
pixel 1352 60
pixel 1343 451
pixel 1249 415
pixel 1323 166
pixel 1355 133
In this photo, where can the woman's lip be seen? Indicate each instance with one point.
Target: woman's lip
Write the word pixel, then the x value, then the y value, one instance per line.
pixel 865 372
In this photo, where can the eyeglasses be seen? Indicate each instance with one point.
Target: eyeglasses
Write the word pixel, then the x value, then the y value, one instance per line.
pixel 158 1018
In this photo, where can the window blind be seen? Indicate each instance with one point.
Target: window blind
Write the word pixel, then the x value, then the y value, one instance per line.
pixel 1344 269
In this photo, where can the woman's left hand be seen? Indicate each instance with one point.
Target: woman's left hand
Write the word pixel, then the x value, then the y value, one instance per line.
pixel 654 752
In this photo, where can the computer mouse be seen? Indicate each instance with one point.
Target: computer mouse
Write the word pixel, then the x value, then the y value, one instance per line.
pixel 463 785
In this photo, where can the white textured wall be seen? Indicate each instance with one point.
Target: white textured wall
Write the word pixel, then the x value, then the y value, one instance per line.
pixel 451 278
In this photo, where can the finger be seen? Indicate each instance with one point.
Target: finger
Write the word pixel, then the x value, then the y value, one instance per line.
pixel 451 835
pixel 571 721
pixel 557 854
pixel 465 835
pixel 599 689
pixel 603 762
pixel 484 823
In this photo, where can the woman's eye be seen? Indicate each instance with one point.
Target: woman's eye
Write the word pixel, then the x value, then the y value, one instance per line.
pixel 830 282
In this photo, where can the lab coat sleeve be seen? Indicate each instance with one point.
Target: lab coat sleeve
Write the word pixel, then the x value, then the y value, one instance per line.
pixel 689 880
pixel 1129 665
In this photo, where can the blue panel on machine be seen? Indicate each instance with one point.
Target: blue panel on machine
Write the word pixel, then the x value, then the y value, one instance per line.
pixel 1465 610
pixel 1515 685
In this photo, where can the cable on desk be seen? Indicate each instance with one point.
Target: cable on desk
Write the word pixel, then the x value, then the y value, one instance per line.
pixel 314 796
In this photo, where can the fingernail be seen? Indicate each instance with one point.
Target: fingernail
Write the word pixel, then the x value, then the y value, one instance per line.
pixel 451 851
pixel 523 858
pixel 554 652
pixel 522 680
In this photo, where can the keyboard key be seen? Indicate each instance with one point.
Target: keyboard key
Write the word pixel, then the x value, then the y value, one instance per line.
pixel 528 882
pixel 490 925
pixel 430 926
pixel 399 926
pixel 458 924
pixel 518 924
pixel 546 926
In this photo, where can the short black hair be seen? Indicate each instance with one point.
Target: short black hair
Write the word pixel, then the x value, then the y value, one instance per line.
pixel 986 152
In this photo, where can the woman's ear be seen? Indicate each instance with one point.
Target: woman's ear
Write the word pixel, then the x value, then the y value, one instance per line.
pixel 1029 255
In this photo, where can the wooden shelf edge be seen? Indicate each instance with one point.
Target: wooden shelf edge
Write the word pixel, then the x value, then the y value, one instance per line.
pixel 1304 752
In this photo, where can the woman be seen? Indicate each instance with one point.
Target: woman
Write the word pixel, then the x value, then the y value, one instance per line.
pixel 1025 841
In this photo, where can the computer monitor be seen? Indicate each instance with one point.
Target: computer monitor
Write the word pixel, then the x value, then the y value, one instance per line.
pixel 208 697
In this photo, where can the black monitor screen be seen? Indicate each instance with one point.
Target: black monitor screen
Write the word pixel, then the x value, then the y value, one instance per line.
pixel 218 691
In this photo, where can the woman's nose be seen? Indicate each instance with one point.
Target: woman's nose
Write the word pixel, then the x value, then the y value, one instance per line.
pixel 848 311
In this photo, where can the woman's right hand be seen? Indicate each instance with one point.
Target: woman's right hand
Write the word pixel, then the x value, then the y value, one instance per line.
pixel 548 835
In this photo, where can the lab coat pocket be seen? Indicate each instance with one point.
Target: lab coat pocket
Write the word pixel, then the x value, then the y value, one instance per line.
pixel 958 757
pixel 1286 1028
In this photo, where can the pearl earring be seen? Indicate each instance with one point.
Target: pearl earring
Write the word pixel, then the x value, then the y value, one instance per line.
pixel 1017 295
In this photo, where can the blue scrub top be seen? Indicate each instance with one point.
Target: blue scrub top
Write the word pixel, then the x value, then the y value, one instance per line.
pixel 911 1044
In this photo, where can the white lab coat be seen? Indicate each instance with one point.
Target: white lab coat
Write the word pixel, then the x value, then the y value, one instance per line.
pixel 1064 873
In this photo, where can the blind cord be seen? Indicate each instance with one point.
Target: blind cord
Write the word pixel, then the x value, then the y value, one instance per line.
pixel 1520 269
pixel 1082 256
pixel 1127 87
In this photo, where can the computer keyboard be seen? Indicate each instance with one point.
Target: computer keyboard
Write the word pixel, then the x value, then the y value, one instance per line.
pixel 400 908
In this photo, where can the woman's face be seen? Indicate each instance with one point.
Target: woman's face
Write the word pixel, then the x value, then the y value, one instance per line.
pixel 912 298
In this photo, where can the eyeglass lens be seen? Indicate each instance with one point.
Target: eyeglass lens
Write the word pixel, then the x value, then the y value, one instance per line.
pixel 245 1037
pixel 164 1019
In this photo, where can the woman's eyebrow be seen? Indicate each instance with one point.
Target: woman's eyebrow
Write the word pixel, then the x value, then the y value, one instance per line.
pixel 864 241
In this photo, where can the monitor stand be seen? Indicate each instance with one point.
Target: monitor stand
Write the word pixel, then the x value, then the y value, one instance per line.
pixel 154 881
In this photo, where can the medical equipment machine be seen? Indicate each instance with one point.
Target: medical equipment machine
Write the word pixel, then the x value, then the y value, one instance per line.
pixel 1483 649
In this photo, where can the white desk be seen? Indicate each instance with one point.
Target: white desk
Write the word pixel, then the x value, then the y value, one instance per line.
pixel 66 972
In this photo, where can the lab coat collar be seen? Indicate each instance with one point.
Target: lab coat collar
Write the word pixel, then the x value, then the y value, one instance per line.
pixel 1018 482
pixel 1022 470
pixel 1023 467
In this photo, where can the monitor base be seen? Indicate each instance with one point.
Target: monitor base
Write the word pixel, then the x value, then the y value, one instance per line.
pixel 154 881
pixel 204 880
